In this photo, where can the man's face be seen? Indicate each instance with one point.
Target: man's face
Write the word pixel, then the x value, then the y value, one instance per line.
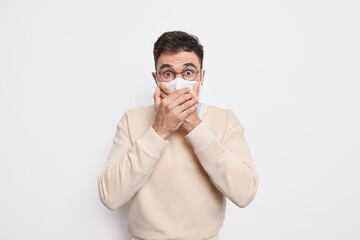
pixel 178 62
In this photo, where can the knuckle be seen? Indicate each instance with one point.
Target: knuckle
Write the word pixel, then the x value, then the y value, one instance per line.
pixel 168 107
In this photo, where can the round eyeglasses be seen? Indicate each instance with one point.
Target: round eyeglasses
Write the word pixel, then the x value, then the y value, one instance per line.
pixel 168 74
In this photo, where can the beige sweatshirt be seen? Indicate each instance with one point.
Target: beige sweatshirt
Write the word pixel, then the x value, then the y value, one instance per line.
pixel 177 188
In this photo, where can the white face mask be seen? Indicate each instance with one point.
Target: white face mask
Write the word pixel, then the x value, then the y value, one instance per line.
pixel 178 83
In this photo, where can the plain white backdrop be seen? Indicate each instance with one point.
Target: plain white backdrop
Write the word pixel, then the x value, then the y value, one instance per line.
pixel 288 69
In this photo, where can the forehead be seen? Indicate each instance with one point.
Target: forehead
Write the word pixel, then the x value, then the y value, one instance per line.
pixel 177 60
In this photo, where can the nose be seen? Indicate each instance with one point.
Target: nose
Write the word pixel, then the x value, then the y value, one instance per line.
pixel 179 74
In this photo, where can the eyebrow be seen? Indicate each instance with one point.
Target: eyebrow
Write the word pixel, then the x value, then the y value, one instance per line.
pixel 165 65
pixel 171 66
pixel 189 64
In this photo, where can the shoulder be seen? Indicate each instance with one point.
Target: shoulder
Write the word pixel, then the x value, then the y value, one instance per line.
pixel 141 110
pixel 140 117
pixel 225 116
pixel 212 110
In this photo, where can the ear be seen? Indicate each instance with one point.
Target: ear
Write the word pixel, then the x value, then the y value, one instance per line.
pixel 203 77
pixel 154 76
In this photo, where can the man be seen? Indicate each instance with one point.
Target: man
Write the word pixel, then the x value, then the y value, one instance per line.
pixel 176 161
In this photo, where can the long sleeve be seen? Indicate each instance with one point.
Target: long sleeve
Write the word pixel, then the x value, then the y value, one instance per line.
pixel 128 165
pixel 228 164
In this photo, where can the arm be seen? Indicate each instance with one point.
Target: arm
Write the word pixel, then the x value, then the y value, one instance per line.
pixel 128 165
pixel 229 165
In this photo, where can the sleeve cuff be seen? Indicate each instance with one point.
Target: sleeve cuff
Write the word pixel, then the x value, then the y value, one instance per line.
pixel 152 143
pixel 199 137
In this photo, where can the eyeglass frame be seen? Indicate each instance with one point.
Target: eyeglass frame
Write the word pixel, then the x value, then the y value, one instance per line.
pixel 182 73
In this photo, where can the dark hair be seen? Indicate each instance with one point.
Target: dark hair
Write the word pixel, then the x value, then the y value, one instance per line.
pixel 176 41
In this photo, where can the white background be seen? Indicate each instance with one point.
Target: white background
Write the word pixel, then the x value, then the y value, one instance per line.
pixel 288 69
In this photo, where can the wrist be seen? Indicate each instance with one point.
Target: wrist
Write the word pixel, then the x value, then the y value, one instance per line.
pixel 162 133
pixel 189 126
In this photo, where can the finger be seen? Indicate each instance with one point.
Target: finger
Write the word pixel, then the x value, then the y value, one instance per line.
pixel 163 94
pixel 188 104
pixel 196 89
pixel 157 99
pixel 174 95
pixel 165 88
pixel 188 111
pixel 178 103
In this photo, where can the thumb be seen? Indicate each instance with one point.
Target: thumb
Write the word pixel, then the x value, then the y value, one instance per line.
pixel 196 89
pixel 157 99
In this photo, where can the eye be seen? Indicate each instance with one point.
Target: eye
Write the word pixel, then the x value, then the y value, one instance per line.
pixel 188 72
pixel 167 74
